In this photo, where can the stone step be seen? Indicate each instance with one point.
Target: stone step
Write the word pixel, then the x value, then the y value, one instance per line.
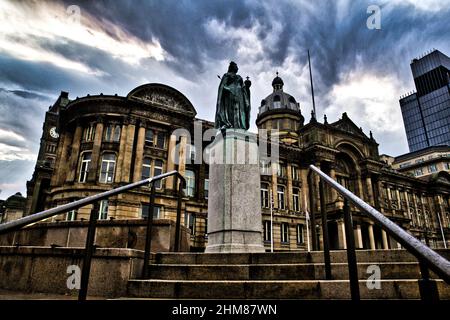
pixel 338 256
pixel 270 289
pixel 299 271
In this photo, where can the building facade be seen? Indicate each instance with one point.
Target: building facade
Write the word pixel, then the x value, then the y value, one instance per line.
pixel 423 163
pixel 105 141
pixel 426 112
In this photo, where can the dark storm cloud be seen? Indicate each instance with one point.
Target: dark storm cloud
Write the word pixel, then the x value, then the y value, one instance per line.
pixel 336 42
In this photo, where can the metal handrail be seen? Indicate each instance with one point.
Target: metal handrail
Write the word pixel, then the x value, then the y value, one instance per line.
pixel 90 237
pixel 36 217
pixel 433 260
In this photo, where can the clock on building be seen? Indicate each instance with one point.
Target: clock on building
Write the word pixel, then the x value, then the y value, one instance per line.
pixel 53 133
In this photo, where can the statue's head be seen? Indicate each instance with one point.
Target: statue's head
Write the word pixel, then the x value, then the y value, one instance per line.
pixel 233 67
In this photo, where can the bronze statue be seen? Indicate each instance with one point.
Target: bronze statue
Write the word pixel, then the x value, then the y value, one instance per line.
pixel 233 101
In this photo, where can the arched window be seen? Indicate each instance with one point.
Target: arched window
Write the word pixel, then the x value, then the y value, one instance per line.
pixel 107 168
pixel 277 102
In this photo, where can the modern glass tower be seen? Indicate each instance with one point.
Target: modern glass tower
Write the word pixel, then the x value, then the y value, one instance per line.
pixel 426 112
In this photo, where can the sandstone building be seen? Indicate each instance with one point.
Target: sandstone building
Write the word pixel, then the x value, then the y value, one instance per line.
pixel 95 143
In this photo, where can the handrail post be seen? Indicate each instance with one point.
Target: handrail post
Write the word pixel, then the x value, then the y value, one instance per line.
pixel 148 236
pixel 326 242
pixel 312 209
pixel 178 222
pixel 351 253
pixel 88 252
pixel 427 287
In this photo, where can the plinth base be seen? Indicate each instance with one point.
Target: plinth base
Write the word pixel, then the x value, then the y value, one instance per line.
pixel 234 209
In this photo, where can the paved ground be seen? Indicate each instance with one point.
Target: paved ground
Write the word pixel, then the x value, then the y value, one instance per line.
pixel 14 295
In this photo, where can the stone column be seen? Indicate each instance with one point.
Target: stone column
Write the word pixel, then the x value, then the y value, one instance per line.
pixel 407 213
pixel 126 165
pixel 123 141
pixel 370 197
pixel 371 236
pixel 399 200
pixel 358 237
pixel 59 174
pixel 385 240
pixel 359 185
pixel 73 161
pixel 289 191
pixel 334 194
pixel 182 155
pixel 341 235
pixel 414 216
pixel 94 166
pixel 137 175
pixel 274 185
pixel 171 160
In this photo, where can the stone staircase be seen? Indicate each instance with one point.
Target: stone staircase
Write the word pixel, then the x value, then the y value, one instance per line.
pixel 290 275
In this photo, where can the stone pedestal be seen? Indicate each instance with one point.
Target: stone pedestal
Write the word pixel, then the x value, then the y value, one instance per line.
pixel 234 208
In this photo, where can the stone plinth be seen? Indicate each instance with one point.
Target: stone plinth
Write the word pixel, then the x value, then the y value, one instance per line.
pixel 234 209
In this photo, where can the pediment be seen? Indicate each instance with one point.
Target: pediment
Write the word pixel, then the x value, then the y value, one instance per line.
pixel 346 124
pixel 164 96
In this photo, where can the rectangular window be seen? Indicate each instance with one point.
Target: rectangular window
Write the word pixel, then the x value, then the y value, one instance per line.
pixel 84 168
pixel 103 211
pixel 300 234
pixel 267 231
pixel 144 211
pixel 189 221
pixel 264 196
pixel 432 168
pixel 108 132
pixel 157 171
pixel 285 232
pixel 149 137
pixel 116 137
pixel 265 167
pixel 71 215
pixel 160 140
pixel 296 199
pixel 190 154
pixel 190 183
pixel 206 188
pixel 280 193
pixel 146 168
pixel 295 173
pixel 89 133
pixel 107 168
pixel 281 170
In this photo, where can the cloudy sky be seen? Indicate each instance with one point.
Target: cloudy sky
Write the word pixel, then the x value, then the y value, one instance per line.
pixel 114 46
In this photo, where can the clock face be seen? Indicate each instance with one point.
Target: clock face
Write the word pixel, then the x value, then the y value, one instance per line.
pixel 53 133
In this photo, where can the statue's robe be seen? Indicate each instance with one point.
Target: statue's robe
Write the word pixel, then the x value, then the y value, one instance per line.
pixel 233 103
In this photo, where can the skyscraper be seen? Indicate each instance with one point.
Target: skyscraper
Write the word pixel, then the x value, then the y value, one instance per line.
pixel 426 112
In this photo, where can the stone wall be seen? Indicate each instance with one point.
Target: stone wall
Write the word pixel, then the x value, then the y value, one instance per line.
pixel 109 234
pixel 44 269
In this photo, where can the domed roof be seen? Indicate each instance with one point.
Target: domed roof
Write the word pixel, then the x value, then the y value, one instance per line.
pixel 277 81
pixel 278 99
